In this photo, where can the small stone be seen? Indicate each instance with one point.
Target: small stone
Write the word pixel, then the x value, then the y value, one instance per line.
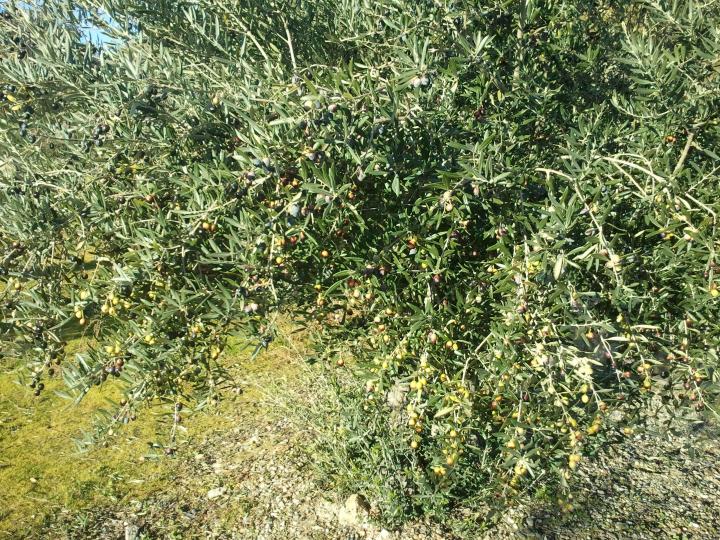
pixel 132 531
pixel 354 512
pixel 216 492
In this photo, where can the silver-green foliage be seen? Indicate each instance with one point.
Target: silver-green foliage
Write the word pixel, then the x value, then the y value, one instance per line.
pixel 505 212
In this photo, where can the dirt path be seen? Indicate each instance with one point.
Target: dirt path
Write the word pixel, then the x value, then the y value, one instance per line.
pixel 651 487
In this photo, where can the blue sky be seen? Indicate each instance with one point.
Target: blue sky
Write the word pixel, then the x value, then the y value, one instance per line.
pixel 96 35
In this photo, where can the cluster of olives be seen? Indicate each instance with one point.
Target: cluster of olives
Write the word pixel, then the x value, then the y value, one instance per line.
pixel 155 94
pixel 36 385
pixel 99 132
pixel 38 333
pixel 237 190
pixel 7 90
pixel 116 359
pixel 148 101
pixel 52 357
pixel 98 137
pixel 22 47
pixel 26 112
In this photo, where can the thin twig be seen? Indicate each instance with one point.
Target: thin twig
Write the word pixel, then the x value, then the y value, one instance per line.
pixel 684 154
pixel 290 45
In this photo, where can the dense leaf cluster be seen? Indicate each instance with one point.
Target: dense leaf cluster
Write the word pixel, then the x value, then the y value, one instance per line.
pixel 504 212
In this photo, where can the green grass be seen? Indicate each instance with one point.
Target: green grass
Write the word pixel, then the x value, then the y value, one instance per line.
pixel 41 468
pixel 42 472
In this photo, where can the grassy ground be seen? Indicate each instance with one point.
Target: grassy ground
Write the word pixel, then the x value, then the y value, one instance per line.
pixel 247 471
pixel 42 472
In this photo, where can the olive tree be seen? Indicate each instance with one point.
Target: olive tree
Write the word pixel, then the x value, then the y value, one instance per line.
pixel 500 215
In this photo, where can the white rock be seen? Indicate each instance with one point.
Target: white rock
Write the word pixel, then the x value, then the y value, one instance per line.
pixel 132 531
pixel 354 512
pixel 216 492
